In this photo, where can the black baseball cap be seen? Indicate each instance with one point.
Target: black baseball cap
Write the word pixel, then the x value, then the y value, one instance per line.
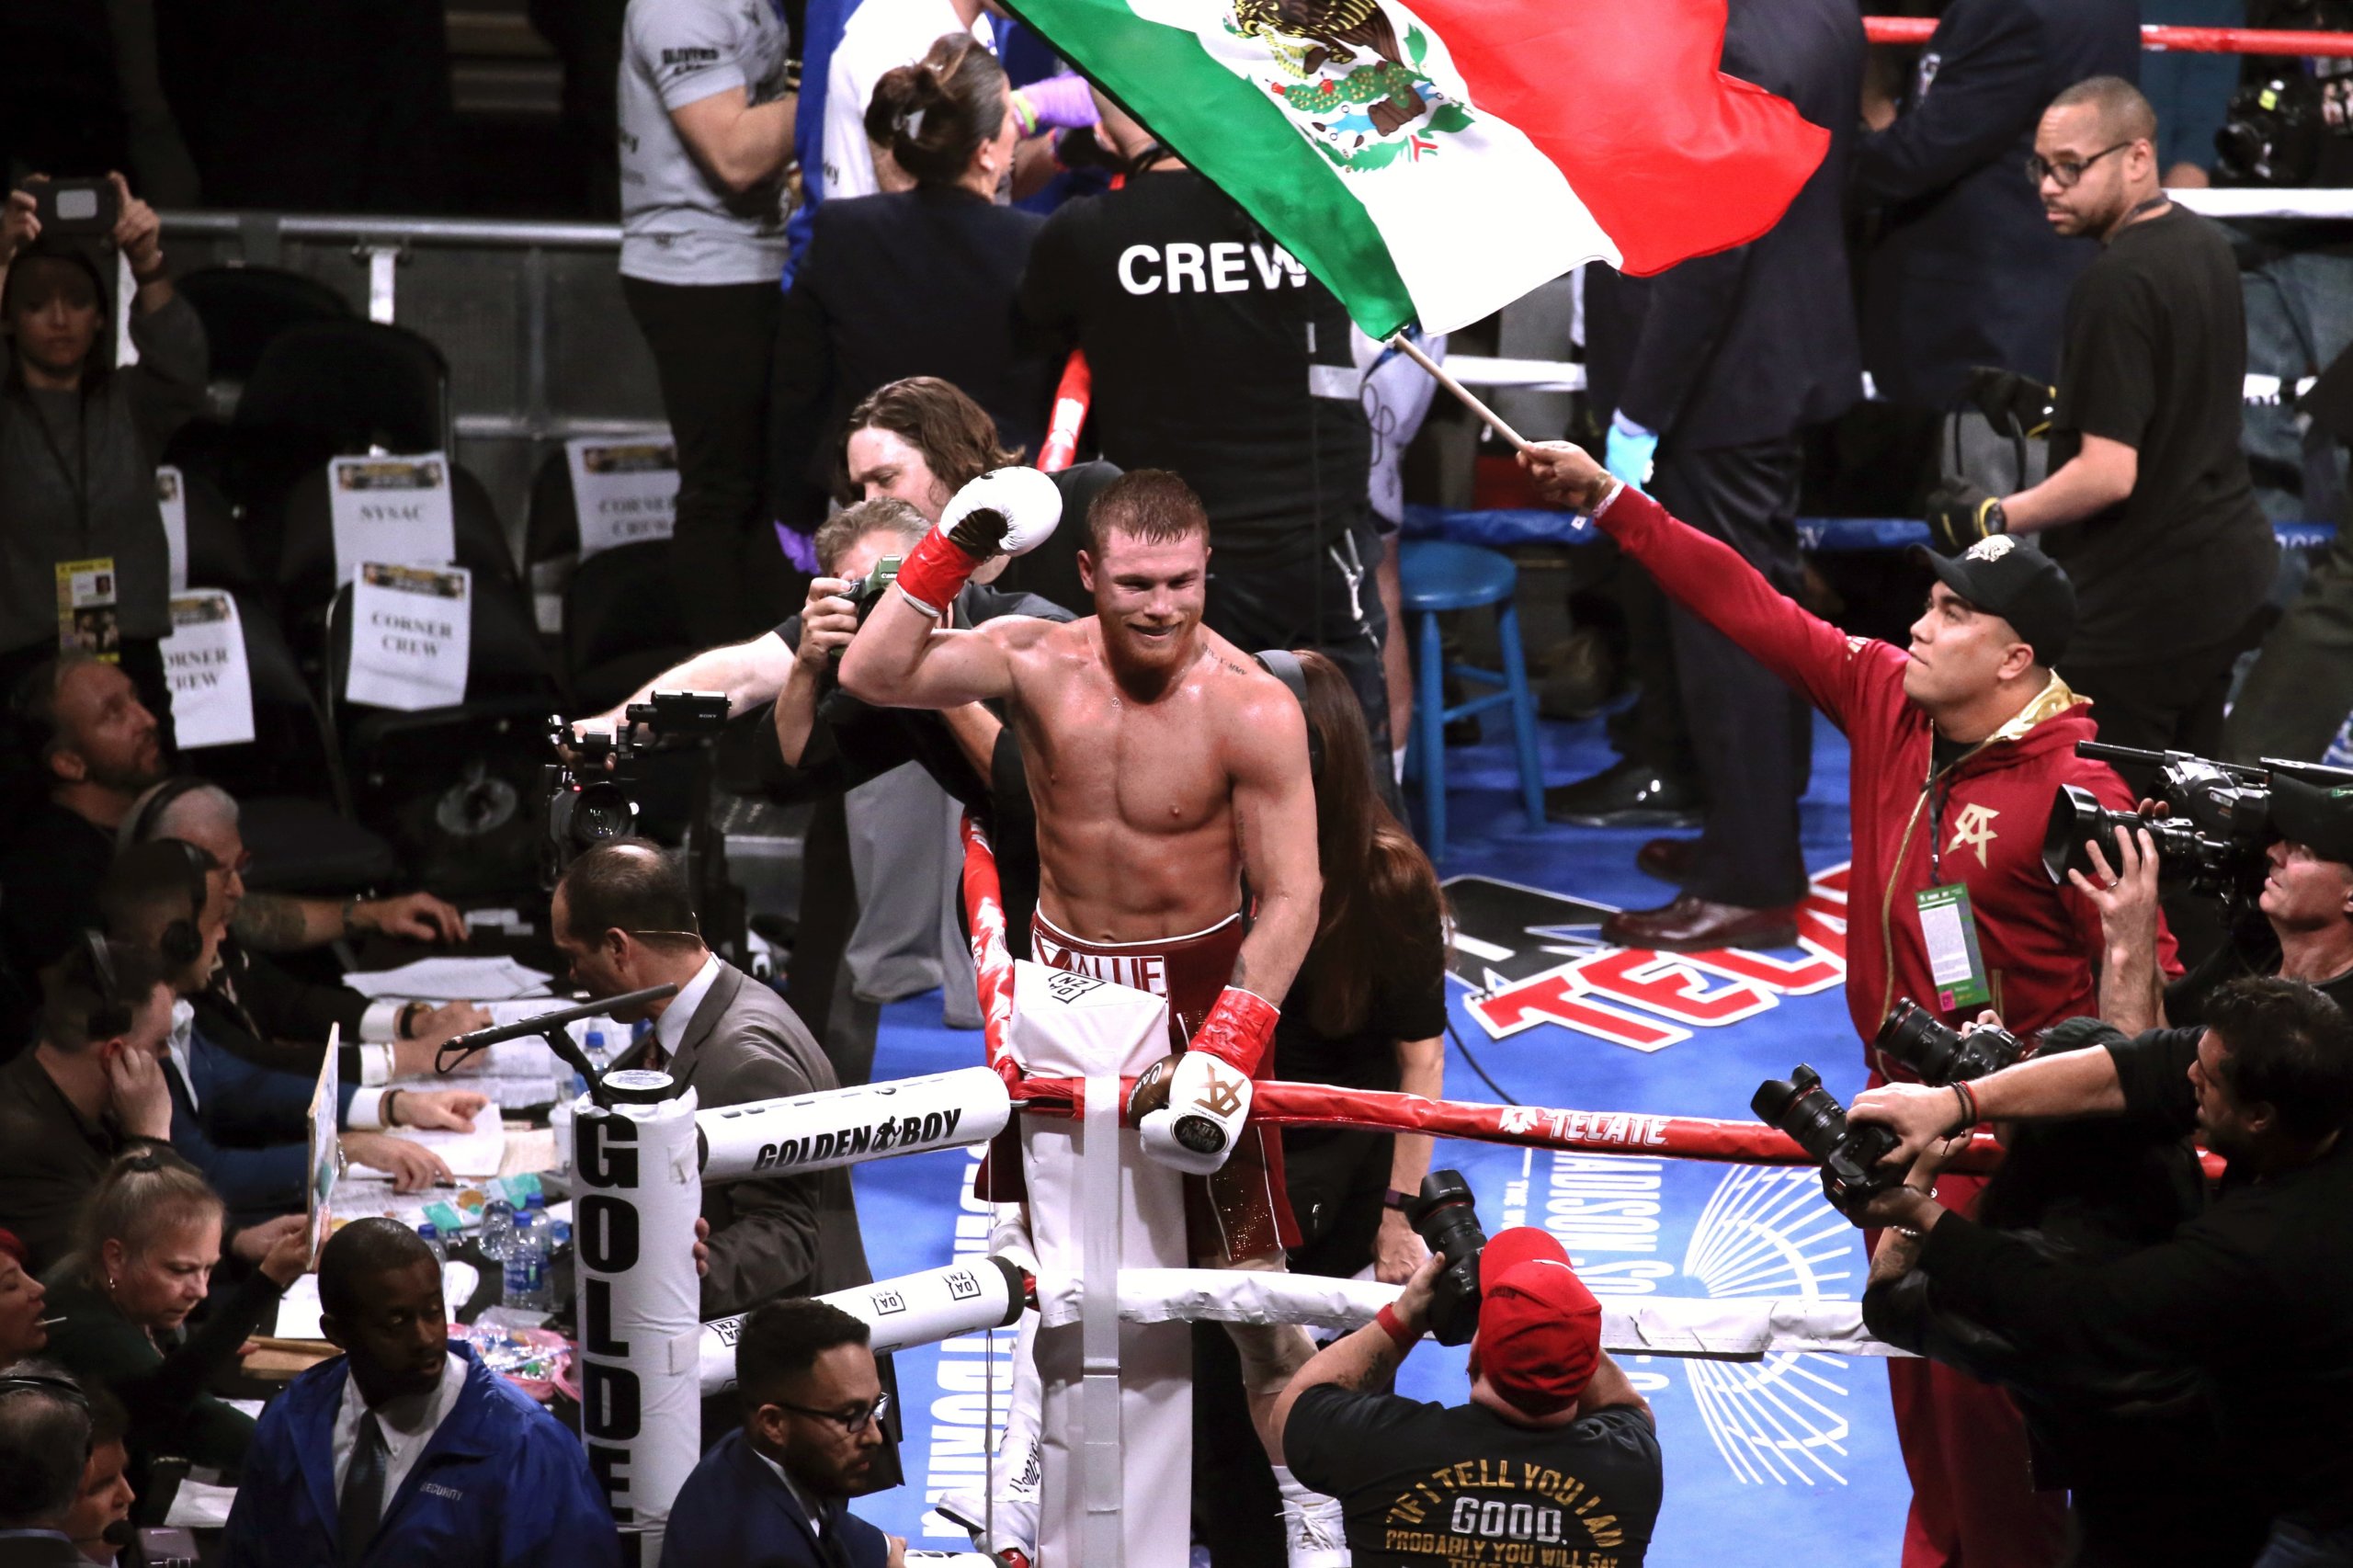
pixel 2318 816
pixel 2024 586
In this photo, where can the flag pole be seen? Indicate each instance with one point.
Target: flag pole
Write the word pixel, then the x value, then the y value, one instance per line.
pixel 1412 350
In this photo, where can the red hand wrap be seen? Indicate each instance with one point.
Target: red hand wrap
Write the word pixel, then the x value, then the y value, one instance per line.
pixel 1399 1334
pixel 935 572
pixel 1238 1028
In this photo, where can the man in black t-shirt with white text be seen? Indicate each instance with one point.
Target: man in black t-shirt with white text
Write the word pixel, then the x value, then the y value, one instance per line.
pixel 2148 503
pixel 1215 356
pixel 1554 1453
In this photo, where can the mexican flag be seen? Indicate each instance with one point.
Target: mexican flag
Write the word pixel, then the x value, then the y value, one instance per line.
pixel 1434 162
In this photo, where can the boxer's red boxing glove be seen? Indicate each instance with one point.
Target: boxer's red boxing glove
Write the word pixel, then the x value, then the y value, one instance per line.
pixel 1238 1030
pixel 1007 511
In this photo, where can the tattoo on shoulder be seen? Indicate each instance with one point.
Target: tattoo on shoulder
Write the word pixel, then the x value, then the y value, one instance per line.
pixel 269 921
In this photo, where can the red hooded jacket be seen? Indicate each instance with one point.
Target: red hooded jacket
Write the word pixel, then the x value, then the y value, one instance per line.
pixel 1980 822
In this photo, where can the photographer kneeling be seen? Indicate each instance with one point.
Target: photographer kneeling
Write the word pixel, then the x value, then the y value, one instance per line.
pixel 2255 1294
pixel 1553 1450
pixel 2306 903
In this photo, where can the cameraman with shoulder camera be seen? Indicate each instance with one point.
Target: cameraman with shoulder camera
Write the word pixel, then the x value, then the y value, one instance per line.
pixel 2307 904
pixel 2255 1293
pixel 79 439
pixel 1552 1448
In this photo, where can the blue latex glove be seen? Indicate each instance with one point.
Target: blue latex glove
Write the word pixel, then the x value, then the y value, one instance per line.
pixel 1630 452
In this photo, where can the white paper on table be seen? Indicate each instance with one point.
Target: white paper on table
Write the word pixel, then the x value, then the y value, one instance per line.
pixel 451 979
pixel 200 1505
pixel 204 658
pixel 396 509
pixel 299 1310
pixel 411 634
pixel 622 491
pixel 471 1154
pixel 171 499
pixel 326 1107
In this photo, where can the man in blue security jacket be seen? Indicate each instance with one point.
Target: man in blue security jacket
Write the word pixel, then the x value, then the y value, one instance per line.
pixel 774 1493
pixel 406 1451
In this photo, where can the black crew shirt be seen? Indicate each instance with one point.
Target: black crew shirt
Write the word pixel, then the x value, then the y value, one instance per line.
pixel 1208 345
pixel 2155 357
pixel 1457 1484
pixel 2256 1293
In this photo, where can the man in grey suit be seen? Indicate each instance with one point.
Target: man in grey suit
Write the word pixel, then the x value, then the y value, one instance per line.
pixel 621 914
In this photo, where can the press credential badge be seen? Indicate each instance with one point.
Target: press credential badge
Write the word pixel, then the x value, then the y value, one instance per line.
pixel 86 607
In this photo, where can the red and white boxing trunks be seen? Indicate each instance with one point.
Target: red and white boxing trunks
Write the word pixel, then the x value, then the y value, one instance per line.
pixel 1242 1211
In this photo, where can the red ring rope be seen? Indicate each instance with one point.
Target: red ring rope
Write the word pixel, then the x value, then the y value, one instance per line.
pixel 2162 40
pixel 1322 1104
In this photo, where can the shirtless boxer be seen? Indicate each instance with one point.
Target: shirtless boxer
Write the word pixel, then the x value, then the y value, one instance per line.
pixel 1167 769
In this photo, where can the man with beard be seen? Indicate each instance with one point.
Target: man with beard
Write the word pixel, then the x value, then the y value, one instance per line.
pixel 1165 766
pixel 96 750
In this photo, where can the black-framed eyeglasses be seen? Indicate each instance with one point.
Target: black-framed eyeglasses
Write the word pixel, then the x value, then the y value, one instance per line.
pixel 853 1421
pixel 2066 171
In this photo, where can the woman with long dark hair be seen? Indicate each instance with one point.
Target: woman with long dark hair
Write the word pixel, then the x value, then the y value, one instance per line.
pixel 1369 1008
pixel 1367 1011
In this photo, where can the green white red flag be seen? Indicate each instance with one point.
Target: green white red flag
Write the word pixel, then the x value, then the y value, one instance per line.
pixel 1434 162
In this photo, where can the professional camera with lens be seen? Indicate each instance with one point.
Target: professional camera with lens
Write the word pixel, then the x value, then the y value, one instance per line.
pixel 867 592
pixel 2271 133
pixel 1849 1156
pixel 2214 837
pixel 1447 1220
pixel 1941 1054
pixel 587 784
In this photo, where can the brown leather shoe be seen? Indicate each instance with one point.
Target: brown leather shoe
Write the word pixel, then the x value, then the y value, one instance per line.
pixel 1668 859
pixel 1692 924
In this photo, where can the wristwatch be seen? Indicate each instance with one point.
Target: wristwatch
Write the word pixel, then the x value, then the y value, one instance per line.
pixel 1392 1199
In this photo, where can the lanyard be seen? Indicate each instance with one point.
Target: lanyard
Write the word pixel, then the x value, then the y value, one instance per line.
pixel 78 476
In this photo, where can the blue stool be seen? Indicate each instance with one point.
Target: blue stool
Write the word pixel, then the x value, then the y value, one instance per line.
pixel 1439 576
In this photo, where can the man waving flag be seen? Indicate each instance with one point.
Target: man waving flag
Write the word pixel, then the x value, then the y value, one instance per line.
pixel 1436 161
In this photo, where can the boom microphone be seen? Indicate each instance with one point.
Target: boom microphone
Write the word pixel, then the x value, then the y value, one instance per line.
pixel 550 1028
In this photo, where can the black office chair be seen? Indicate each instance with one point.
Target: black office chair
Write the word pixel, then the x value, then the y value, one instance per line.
pixel 217 557
pixel 551 530
pixel 306 566
pixel 456 789
pixel 620 625
pixel 322 389
pixel 245 308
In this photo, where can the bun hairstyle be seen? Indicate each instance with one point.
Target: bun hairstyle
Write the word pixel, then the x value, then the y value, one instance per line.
pixel 936 114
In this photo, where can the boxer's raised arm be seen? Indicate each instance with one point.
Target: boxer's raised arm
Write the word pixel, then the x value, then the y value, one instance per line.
pixel 901 658
pixel 1274 828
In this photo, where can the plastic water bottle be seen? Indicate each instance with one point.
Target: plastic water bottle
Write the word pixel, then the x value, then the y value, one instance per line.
pixel 525 1265
pixel 498 1227
pixel 432 1239
pixel 600 1052
pixel 543 1245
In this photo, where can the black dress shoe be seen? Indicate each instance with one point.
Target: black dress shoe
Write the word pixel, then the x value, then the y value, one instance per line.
pixel 1693 924
pixel 1668 859
pixel 1631 794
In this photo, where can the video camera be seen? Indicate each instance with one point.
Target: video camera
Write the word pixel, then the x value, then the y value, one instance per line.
pixel 587 784
pixel 1939 1054
pixel 1444 1215
pixel 1849 1156
pixel 2224 818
